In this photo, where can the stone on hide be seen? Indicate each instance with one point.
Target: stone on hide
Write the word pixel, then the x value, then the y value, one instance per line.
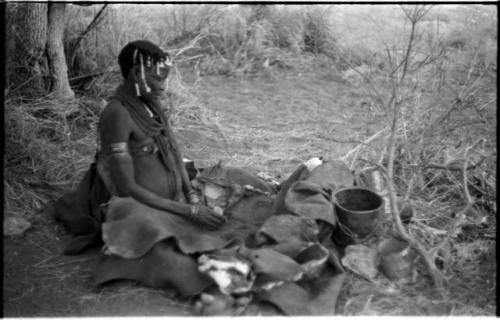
pixel 265 284
pixel 219 210
pixel 15 226
pixel 231 274
pixel 211 305
pixel 221 305
pixel 361 260
pixel 215 195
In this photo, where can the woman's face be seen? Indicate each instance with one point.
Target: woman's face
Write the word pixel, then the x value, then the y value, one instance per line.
pixel 155 77
pixel 157 83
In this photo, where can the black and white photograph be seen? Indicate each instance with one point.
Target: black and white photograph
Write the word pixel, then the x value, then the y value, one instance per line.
pixel 251 159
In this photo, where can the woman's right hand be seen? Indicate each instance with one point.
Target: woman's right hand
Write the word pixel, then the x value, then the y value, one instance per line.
pixel 206 217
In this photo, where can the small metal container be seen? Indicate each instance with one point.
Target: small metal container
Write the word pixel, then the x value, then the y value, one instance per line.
pixel 313 260
pixel 395 260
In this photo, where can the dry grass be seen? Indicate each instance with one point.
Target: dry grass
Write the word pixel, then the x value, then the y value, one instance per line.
pixel 48 146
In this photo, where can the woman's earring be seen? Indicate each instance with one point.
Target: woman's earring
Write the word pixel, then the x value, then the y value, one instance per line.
pixel 143 76
pixel 137 91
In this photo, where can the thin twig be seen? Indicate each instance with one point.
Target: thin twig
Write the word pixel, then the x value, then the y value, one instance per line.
pixel 190 45
pixel 451 167
pixel 408 50
pixel 373 137
pixel 89 27
pixel 486 104
pixel 377 165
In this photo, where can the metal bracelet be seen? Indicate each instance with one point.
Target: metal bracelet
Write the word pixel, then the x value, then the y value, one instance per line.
pixel 194 210
pixel 193 197
pixel 119 148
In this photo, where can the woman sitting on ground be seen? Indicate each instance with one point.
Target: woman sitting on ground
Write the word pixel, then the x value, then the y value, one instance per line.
pixel 138 154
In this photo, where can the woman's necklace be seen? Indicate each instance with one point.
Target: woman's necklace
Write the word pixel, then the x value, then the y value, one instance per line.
pixel 151 114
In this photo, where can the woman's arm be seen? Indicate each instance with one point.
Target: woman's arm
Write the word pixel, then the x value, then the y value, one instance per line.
pixel 116 128
pixel 122 174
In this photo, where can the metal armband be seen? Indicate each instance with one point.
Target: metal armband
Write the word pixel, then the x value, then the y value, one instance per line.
pixel 120 148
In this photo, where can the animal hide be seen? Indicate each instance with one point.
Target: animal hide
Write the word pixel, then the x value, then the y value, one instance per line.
pixel 308 193
pixel 132 229
pixel 136 235
pixel 293 264
pixel 315 298
pixel 161 267
pixel 80 212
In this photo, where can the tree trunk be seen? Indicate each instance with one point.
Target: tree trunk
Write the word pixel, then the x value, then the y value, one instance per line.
pixel 27 36
pixel 55 51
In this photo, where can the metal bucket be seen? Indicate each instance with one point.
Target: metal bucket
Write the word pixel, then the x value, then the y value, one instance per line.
pixel 395 260
pixel 359 212
pixel 313 260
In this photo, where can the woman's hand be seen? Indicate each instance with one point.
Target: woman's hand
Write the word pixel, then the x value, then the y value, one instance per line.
pixel 206 217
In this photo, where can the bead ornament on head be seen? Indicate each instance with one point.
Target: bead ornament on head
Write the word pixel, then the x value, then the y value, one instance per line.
pixel 155 60
pixel 143 74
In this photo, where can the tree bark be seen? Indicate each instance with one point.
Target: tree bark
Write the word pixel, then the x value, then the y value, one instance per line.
pixel 55 51
pixel 26 45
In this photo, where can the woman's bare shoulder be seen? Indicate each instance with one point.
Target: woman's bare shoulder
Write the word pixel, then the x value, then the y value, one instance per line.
pixel 114 111
pixel 115 124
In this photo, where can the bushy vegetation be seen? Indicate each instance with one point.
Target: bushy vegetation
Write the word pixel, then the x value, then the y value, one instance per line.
pixel 446 98
pixel 216 39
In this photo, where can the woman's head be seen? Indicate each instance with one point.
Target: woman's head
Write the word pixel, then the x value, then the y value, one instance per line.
pixel 147 65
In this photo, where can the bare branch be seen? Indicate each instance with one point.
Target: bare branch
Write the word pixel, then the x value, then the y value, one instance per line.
pixel 190 45
pixel 377 165
pixel 373 137
pixel 486 104
pixel 89 27
pixel 406 59
pixel 452 167
pixel 429 59
pixel 460 217
pixel 468 198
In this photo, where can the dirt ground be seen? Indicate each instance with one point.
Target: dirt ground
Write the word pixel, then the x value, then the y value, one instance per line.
pixel 268 123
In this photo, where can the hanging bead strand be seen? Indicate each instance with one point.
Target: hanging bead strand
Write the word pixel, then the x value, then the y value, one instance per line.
pixel 143 75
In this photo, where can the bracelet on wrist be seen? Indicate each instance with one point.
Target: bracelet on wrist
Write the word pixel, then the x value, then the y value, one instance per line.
pixel 194 210
pixel 193 197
